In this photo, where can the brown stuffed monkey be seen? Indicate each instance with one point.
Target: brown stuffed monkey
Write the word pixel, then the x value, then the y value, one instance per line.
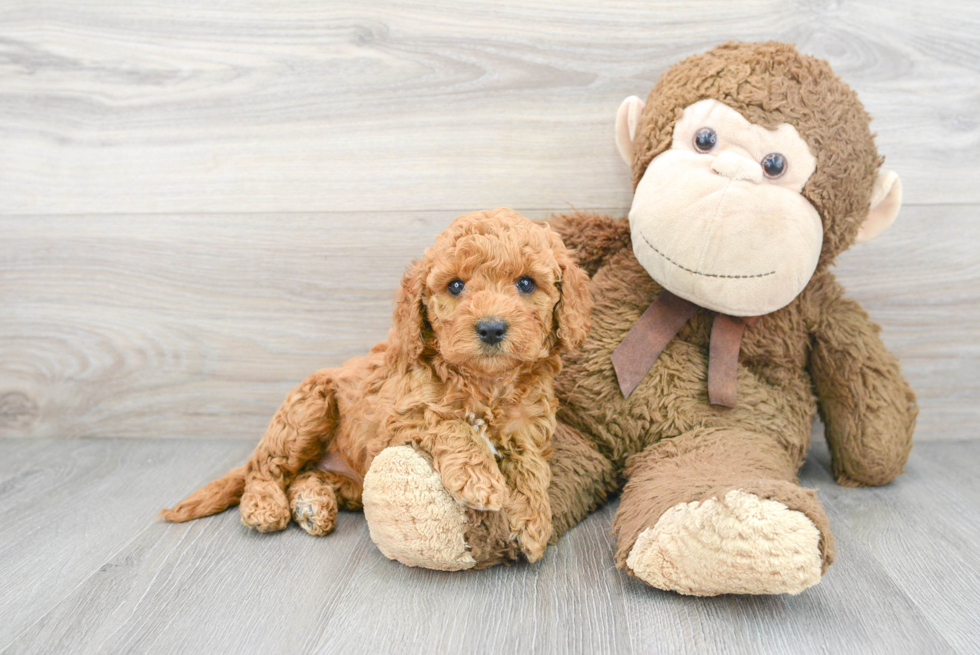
pixel 718 332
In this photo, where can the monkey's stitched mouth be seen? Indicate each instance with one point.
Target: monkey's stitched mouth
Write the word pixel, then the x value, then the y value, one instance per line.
pixel 689 270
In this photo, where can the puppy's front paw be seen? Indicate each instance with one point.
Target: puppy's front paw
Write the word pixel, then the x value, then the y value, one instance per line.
pixel 533 537
pixel 476 487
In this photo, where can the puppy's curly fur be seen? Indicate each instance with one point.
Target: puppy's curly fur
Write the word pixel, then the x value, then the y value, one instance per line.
pixel 435 383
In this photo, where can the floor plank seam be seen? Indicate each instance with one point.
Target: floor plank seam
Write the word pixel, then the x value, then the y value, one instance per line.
pixel 322 622
pixel 68 595
pixel 149 586
pixel 923 612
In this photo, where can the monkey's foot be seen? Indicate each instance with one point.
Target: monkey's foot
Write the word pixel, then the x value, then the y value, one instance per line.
pixel 740 544
pixel 411 516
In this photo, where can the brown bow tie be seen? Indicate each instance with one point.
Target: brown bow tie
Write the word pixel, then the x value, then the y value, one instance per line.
pixel 662 320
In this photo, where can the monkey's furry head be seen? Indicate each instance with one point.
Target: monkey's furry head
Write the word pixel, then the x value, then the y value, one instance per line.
pixel 772 84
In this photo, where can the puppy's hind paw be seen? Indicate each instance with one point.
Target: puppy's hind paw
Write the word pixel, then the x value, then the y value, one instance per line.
pixel 265 508
pixel 317 516
pixel 313 502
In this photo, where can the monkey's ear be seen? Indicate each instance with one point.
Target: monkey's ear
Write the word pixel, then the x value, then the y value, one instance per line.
pixel 626 120
pixel 886 200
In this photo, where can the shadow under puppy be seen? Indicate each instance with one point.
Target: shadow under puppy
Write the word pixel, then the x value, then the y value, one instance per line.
pixel 466 374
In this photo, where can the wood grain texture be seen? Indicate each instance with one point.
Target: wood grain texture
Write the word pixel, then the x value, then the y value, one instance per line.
pixel 921 281
pixel 155 326
pixel 202 203
pixel 68 507
pixel 212 586
pixel 292 106
pixel 176 326
pixel 924 533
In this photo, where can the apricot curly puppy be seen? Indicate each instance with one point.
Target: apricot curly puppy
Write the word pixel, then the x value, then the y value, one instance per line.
pixel 466 375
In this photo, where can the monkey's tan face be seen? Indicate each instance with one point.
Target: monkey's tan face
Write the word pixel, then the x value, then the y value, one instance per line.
pixel 719 218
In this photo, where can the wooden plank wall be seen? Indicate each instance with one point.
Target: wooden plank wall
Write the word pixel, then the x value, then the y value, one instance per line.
pixel 201 204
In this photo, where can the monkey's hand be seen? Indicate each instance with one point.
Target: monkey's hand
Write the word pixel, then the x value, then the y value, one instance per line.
pixel 868 408
pixel 594 238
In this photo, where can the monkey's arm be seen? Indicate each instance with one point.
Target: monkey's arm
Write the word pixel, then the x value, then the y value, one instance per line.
pixel 868 408
pixel 594 238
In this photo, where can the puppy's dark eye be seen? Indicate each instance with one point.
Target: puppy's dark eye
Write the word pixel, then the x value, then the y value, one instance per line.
pixel 705 140
pixel 774 164
pixel 525 285
pixel 456 287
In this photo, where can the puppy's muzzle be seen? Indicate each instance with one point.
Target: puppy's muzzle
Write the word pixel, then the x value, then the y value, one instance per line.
pixel 491 330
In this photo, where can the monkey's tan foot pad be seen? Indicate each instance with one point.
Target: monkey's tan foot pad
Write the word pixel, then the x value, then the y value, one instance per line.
pixel 740 544
pixel 411 516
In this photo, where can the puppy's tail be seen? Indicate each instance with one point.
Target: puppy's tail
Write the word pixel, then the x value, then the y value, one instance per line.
pixel 214 497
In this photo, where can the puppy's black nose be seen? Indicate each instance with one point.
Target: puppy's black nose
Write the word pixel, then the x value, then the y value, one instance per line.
pixel 491 330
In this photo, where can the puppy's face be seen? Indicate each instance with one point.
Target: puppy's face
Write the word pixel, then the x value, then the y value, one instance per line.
pixel 490 299
pixel 497 291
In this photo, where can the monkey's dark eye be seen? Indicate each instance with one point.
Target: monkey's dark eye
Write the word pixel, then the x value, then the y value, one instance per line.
pixel 456 287
pixel 774 164
pixel 525 285
pixel 705 139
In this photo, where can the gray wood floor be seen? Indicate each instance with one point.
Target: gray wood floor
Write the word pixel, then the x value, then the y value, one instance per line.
pixel 87 569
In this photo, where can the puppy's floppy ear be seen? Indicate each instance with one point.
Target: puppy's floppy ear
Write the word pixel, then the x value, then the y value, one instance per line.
pixel 573 313
pixel 406 340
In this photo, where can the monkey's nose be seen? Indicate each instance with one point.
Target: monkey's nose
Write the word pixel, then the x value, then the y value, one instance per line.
pixel 491 330
pixel 737 167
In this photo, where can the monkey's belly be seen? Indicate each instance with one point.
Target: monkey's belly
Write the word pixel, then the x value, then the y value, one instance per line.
pixel 673 396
